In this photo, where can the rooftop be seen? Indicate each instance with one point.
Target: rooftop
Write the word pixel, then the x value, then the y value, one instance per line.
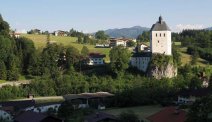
pixel 169 114
pixel 88 95
pixel 96 55
pixel 142 54
pixel 160 26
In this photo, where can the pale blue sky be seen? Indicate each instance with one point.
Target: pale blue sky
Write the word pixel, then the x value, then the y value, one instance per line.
pixel 93 15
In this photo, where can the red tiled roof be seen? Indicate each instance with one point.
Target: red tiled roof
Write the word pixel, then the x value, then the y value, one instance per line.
pixel 168 115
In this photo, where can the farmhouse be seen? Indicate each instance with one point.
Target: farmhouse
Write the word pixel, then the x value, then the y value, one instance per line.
pixel 117 41
pixel 60 33
pixel 143 47
pixel 120 41
pixel 160 43
pixel 95 59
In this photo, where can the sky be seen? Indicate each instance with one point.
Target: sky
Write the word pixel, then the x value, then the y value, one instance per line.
pixel 93 15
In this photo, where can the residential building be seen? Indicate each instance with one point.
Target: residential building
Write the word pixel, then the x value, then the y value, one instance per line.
pixel 117 42
pixel 60 33
pixel 141 60
pixel 189 96
pixel 95 59
pixel 143 47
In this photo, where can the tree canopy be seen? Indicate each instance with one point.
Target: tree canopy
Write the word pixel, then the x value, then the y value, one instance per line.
pixel 119 59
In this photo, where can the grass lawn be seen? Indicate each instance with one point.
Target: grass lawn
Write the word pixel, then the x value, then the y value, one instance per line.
pixel 141 111
pixel 41 100
pixel 40 42
pixel 186 58
pixel 2 81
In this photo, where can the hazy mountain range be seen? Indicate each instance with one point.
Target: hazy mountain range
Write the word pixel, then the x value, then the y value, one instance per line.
pixel 132 32
pixel 210 28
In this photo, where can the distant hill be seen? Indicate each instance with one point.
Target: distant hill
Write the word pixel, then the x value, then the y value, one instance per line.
pixel 132 32
pixel 210 28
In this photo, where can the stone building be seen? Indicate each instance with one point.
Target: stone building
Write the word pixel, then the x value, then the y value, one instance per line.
pixel 160 43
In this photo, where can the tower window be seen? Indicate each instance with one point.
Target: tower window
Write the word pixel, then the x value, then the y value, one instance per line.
pixel 160 34
pixel 164 34
pixel 156 34
pixel 158 41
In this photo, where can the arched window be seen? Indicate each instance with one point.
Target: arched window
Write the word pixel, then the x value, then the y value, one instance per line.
pixel 158 41
pixel 164 34
pixel 160 34
pixel 156 34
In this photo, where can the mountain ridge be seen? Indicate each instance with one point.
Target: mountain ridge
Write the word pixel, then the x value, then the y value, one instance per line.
pixel 131 32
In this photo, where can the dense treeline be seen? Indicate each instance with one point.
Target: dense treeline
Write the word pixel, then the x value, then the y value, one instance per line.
pixel 130 89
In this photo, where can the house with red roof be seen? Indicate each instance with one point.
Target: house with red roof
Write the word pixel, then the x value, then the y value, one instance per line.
pixel 168 114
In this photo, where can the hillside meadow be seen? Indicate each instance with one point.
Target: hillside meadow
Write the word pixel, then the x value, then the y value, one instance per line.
pixel 40 43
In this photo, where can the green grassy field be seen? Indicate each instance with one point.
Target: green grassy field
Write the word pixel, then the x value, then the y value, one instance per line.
pixel 141 111
pixel 40 42
pixel 2 81
pixel 186 58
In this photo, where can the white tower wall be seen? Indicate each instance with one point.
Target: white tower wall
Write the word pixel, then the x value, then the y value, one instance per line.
pixel 160 42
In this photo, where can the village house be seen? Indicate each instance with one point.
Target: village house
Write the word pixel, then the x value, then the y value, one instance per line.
pixel 143 47
pixel 189 96
pixel 60 33
pixel 95 59
pixel 160 43
pixel 117 42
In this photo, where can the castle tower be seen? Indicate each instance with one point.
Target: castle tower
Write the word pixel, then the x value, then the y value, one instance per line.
pixel 160 38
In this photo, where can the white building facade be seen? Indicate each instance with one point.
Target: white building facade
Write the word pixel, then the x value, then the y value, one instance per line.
pixel 160 38
pixel 141 61
pixel 96 59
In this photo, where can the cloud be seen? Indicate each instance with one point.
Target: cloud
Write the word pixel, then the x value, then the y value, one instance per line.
pixel 181 27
